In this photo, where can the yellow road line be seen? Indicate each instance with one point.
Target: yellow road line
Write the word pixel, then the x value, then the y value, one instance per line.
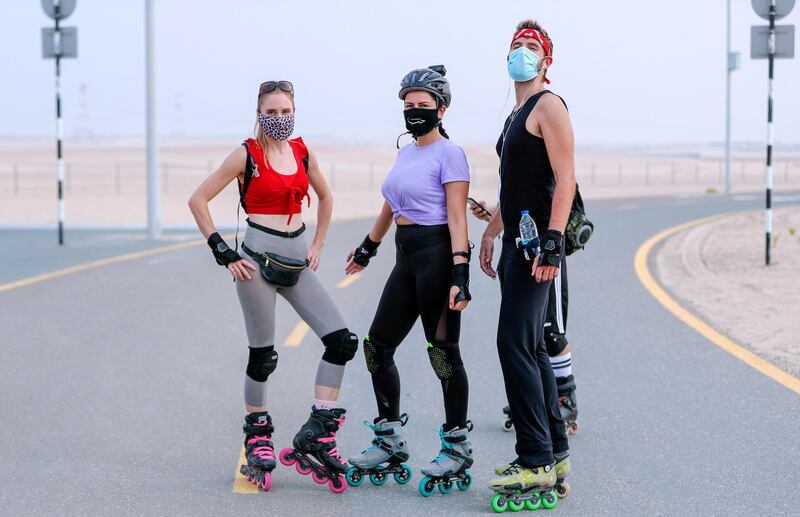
pixel 99 263
pixel 297 335
pixel 240 483
pixel 738 351
pixel 348 280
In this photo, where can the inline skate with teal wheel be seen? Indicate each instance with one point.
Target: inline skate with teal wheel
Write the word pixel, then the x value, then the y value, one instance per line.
pixel 521 488
pixel 385 457
pixel 449 469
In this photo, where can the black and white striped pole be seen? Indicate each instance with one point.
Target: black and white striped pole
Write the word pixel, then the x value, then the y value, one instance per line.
pixel 771 42
pixel 59 42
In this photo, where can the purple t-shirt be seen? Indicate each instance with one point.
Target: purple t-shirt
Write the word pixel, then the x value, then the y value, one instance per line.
pixel 414 188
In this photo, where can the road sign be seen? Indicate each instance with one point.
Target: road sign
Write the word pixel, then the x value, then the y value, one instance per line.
pixel 63 44
pixel 782 8
pixel 65 8
pixel 784 41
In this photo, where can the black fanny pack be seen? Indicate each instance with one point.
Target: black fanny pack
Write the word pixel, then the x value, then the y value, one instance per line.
pixel 277 269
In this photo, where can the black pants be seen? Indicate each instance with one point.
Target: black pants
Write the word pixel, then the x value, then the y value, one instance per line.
pixel 418 287
pixel 529 380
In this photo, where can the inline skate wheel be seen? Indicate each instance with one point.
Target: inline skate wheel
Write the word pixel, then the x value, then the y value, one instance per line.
pixel 301 469
pixel 464 484
pixel 354 476
pixel 516 506
pixel 549 500
pixel 563 489
pixel 320 479
pixel 508 425
pixel 446 487
pixel 499 503
pixel 378 477
pixel 426 486
pixel 404 476
pixel 267 482
pixel 533 503
pixel 286 457
pixel 337 485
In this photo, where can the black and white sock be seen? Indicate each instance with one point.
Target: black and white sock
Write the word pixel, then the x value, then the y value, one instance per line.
pixel 562 364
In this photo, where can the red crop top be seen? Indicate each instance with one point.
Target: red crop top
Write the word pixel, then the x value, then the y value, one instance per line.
pixel 266 191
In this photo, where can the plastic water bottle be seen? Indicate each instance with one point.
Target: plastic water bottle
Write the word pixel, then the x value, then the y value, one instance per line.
pixel 527 228
pixel 528 240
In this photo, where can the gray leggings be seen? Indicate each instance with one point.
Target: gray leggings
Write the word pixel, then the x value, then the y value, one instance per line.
pixel 308 297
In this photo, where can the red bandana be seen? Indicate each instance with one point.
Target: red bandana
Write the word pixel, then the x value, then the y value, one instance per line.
pixel 532 33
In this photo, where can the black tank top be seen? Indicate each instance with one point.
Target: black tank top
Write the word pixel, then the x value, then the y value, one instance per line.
pixel 526 177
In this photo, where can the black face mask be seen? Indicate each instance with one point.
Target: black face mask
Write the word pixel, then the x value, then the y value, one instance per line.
pixel 420 121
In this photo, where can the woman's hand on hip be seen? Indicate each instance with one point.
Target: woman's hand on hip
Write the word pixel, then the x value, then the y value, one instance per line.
pixel 239 269
pixel 314 255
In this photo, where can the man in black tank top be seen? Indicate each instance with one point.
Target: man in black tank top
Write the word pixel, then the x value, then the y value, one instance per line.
pixel 537 173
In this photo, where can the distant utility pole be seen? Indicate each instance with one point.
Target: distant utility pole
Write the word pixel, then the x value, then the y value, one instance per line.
pixel 59 42
pixel 153 183
pixel 732 64
pixel 769 42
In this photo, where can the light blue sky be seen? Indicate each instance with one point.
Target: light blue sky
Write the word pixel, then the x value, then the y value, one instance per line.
pixel 632 72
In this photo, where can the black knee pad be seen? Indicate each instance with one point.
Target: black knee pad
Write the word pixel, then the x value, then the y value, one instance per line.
pixel 556 343
pixel 380 357
pixel 445 358
pixel 262 362
pixel 340 346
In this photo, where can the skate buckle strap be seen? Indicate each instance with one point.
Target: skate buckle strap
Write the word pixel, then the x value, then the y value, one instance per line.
pixel 333 452
pixel 264 452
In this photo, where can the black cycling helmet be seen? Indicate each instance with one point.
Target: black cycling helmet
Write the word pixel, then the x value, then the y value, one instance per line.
pixel 430 79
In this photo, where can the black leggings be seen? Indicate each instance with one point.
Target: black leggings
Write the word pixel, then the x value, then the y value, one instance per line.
pixel 418 286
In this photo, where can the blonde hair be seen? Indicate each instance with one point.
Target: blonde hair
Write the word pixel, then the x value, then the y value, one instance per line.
pixel 260 137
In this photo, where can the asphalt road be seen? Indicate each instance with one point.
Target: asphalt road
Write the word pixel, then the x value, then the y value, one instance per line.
pixel 121 389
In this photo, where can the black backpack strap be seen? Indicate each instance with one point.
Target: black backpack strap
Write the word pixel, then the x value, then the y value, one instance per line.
pixel 250 166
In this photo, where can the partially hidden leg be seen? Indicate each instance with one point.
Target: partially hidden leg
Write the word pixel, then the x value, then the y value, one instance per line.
pixel 257 299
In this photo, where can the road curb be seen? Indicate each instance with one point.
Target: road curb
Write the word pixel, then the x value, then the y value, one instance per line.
pixel 658 292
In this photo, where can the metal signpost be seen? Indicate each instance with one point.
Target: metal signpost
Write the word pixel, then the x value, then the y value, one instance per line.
pixel 770 42
pixel 59 42
pixel 732 65
pixel 153 185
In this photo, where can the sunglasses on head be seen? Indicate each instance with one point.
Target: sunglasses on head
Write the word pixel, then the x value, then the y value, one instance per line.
pixel 271 86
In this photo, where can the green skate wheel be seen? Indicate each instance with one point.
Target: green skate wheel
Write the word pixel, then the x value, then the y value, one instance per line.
pixel 354 476
pixel 446 487
pixel 549 499
pixel 464 484
pixel 516 506
pixel 497 506
pixel 404 476
pixel 426 486
pixel 534 503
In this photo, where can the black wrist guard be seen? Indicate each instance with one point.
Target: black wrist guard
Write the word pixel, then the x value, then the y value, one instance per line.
pixel 365 251
pixel 222 252
pixel 461 280
pixel 551 248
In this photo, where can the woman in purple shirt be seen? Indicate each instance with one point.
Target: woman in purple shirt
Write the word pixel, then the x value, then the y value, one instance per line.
pixel 426 196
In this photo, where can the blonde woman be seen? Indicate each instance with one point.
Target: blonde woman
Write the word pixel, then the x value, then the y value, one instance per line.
pixel 274 174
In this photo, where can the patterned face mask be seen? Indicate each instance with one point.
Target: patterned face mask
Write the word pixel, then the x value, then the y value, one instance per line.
pixel 279 128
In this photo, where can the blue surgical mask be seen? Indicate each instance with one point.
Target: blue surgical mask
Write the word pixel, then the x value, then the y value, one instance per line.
pixel 523 65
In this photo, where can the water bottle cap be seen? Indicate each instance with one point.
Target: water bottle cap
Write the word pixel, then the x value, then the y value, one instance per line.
pixel 524 212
